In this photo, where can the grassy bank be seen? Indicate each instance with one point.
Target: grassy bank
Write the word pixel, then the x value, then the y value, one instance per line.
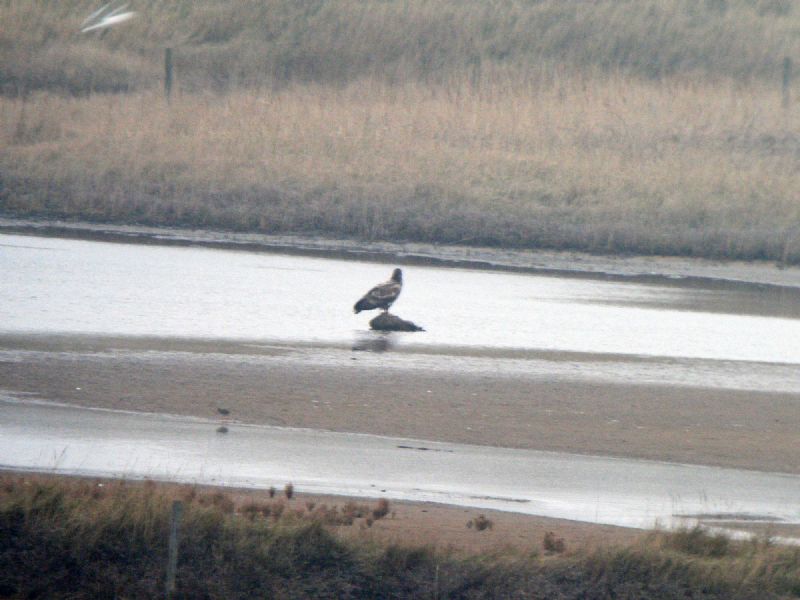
pixel 618 127
pixel 86 539
pixel 609 165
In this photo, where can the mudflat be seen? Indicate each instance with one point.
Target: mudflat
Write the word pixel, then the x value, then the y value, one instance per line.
pixel 361 389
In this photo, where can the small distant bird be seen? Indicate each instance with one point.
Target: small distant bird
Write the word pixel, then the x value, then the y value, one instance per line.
pixel 382 295
pixel 223 411
pixel 108 15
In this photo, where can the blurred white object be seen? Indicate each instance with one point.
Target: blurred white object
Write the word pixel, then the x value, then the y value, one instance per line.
pixel 108 15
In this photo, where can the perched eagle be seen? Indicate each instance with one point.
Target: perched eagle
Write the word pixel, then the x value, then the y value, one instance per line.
pixel 382 295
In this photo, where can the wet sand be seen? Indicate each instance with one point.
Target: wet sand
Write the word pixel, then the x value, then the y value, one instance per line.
pixel 338 389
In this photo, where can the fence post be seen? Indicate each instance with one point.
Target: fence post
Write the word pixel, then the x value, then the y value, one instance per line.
pixel 787 82
pixel 168 73
pixel 172 559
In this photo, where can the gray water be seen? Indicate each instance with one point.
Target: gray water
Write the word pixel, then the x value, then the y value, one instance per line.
pixel 633 493
pixel 735 337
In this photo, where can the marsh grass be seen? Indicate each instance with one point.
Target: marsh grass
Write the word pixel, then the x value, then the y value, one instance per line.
pixel 480 523
pixel 621 127
pixel 552 543
pixel 381 510
pixel 227 44
pixel 87 539
pixel 603 165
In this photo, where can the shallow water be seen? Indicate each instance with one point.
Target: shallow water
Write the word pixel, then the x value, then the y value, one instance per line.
pixel 740 337
pixel 62 439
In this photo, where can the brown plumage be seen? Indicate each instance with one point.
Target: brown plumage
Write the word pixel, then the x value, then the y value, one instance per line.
pixel 382 295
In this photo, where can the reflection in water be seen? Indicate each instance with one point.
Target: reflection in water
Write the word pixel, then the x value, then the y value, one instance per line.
pixel 373 341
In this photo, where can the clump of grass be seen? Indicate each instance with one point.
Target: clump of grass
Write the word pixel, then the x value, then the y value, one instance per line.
pixel 698 542
pixel 277 510
pixel 355 510
pixel 219 500
pixel 332 516
pixel 553 544
pixel 381 510
pixel 254 509
pixel 480 523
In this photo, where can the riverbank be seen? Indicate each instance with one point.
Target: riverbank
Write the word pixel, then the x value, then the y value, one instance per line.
pixel 438 526
pixel 112 536
pixel 600 165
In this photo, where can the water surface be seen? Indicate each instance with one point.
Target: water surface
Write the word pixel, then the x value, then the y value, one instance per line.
pixel 632 493
pixel 59 285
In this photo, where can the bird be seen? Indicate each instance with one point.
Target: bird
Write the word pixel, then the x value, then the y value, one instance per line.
pixel 382 295
pixel 223 411
pixel 107 15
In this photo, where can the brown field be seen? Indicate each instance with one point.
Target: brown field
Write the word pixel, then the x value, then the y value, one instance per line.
pixel 658 129
pixel 611 165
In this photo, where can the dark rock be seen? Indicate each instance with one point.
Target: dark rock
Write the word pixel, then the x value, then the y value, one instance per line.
pixel 389 322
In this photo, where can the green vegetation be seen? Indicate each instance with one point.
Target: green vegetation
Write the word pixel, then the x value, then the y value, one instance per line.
pixel 86 539
pixel 615 126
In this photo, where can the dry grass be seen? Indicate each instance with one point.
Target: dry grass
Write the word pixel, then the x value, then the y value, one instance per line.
pixel 607 126
pixel 553 544
pixel 613 164
pixel 227 44
pixel 480 523
pixel 84 539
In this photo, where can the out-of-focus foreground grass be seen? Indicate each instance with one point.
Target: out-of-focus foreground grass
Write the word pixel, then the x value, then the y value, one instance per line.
pixel 89 539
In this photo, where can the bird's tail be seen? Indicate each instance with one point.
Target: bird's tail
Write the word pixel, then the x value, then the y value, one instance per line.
pixel 361 305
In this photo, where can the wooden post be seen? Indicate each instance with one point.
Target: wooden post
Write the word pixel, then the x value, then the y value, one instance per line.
pixel 168 73
pixel 787 82
pixel 172 560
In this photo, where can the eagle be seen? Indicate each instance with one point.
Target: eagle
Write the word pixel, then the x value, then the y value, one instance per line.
pixel 382 295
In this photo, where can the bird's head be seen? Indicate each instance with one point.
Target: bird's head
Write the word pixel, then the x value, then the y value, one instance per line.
pixel 397 275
